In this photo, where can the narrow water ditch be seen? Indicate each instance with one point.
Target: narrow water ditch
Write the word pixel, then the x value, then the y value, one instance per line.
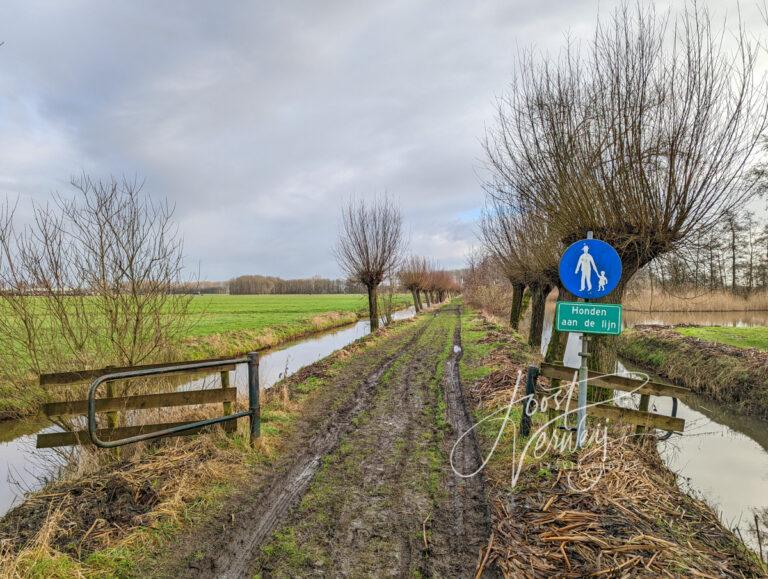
pixel 24 468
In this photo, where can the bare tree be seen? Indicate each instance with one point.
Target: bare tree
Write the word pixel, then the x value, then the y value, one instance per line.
pixel 500 230
pixel 647 141
pixel 370 245
pixel 90 282
pixel 412 275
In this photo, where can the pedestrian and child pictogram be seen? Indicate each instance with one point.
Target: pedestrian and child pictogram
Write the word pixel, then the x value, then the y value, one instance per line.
pixel 590 269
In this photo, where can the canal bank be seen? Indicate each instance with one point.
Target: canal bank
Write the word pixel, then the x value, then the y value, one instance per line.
pixel 736 377
pixel 25 468
pixel 613 509
pixel 722 457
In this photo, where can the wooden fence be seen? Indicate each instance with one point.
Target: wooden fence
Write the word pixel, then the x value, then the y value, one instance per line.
pixel 114 405
pixel 642 418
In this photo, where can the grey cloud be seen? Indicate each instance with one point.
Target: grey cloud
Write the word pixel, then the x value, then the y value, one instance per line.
pixel 257 119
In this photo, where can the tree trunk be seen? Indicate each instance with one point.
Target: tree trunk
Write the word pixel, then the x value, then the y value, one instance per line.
pixel 416 305
pixel 517 305
pixel 733 258
pixel 429 302
pixel 603 349
pixel 418 298
pixel 373 307
pixel 539 293
pixel 555 353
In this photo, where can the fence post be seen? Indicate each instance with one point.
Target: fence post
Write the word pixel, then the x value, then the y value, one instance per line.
pixel 640 430
pixel 253 396
pixel 231 426
pixel 530 392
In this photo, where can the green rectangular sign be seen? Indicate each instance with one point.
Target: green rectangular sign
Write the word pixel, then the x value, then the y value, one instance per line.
pixel 588 318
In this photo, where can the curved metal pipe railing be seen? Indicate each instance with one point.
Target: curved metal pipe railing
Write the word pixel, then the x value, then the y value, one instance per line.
pixel 253 412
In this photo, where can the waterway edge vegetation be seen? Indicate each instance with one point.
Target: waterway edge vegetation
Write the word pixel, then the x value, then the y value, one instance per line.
pixel 222 326
pixel 69 529
pixel 733 375
pixel 635 519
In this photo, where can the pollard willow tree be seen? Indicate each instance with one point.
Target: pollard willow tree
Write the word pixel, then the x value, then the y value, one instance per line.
pixel 412 276
pixel 527 255
pixel 647 140
pixel 370 245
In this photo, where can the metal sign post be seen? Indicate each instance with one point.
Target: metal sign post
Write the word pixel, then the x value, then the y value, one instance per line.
pixel 589 269
pixel 583 376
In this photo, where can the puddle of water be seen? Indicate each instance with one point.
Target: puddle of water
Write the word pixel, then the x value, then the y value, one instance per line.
pixel 23 467
pixel 722 457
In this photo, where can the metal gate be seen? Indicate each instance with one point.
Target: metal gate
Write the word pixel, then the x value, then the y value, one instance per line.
pixel 120 436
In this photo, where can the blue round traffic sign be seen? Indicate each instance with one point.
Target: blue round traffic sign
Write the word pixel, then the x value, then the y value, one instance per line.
pixel 590 268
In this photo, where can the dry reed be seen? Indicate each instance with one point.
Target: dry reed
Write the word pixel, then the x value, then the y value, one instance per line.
pixel 694 300
pixel 635 521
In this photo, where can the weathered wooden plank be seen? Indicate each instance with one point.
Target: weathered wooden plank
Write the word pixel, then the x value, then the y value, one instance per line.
pixel 628 416
pixel 142 402
pixel 615 382
pixel 80 376
pixel 54 439
pixel 231 426
pixel 645 400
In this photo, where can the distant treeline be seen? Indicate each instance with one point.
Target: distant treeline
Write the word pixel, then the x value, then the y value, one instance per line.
pixel 262 284
pixel 733 256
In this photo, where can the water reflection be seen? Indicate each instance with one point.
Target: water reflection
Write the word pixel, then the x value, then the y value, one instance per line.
pixel 722 457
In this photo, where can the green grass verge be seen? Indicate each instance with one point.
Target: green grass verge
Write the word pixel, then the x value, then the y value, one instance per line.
pixel 224 325
pixel 747 337
pixel 224 313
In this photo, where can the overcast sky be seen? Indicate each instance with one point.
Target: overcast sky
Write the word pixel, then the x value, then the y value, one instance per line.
pixel 258 119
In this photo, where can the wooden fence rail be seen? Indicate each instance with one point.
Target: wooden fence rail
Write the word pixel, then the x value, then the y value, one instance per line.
pixel 225 395
pixel 641 418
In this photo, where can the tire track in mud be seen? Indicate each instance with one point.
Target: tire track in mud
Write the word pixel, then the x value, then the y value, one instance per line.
pixel 465 517
pixel 387 503
pixel 285 489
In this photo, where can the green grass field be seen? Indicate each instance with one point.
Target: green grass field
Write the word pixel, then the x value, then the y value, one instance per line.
pixel 746 337
pixel 216 314
pixel 223 325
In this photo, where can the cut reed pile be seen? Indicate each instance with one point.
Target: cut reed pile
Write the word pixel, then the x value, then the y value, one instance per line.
pixel 634 521
pixel 694 300
pixel 572 514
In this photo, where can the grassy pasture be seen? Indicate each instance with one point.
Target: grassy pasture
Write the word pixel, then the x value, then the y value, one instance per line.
pixel 223 313
pixel 746 337
pixel 224 325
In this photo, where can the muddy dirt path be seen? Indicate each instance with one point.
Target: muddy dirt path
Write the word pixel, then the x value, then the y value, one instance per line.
pixel 464 517
pixel 385 502
pixel 235 557
pixel 366 487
